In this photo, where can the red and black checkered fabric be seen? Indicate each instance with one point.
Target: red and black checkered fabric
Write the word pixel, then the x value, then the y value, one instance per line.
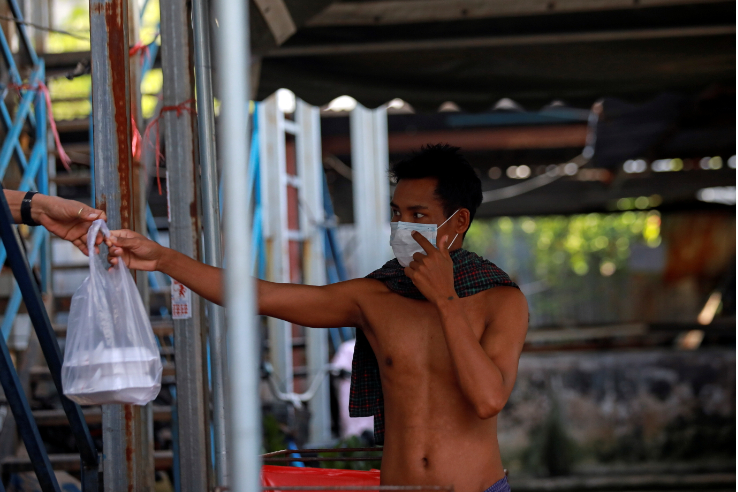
pixel 472 274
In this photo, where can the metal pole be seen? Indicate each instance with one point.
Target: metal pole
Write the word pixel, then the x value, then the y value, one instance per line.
pixel 233 58
pixel 369 161
pixel 312 221
pixel 273 182
pixel 184 236
pixel 124 465
pixel 211 230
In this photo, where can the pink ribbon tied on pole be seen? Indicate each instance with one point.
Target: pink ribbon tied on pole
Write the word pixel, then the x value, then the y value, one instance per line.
pixel 50 116
pixel 180 109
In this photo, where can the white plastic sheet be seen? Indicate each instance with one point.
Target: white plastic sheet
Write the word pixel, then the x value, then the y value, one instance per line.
pixel 111 354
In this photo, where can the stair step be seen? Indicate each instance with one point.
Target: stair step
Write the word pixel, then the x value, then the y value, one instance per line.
pixel 70 266
pixel 166 350
pixel 43 372
pixel 163 460
pixel 72 179
pixel 297 342
pixel 162 328
pixel 93 415
pixel 69 126
pixel 63 302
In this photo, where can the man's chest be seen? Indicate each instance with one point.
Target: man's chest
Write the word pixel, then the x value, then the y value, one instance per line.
pixel 408 337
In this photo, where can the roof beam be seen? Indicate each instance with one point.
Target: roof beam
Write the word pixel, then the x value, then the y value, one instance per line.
pixel 529 137
pixel 492 41
pixel 374 13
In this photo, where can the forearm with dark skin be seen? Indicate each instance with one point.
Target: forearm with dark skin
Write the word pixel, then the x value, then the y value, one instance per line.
pixel 480 379
pixel 314 306
pixel 204 280
pixel 15 198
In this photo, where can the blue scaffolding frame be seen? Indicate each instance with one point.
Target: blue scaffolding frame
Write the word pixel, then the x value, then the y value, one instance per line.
pixel 30 112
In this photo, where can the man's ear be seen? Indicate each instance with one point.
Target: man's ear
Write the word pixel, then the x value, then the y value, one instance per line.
pixel 462 220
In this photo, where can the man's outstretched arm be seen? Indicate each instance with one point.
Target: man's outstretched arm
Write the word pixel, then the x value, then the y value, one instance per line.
pixel 327 306
pixel 141 253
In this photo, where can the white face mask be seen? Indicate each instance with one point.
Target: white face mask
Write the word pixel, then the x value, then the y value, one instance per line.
pixel 403 244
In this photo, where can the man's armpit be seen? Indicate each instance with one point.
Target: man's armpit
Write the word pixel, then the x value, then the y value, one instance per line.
pixel 367 294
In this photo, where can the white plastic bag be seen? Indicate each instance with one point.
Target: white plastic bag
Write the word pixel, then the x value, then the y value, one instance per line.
pixel 111 355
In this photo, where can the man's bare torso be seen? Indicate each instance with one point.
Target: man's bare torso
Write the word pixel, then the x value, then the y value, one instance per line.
pixel 433 435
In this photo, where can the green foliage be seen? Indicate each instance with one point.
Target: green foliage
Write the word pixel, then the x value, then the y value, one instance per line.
pixel 573 269
pixel 151 84
pixel 77 22
pixel 578 243
pixel 352 442
pixel 274 437
pixel 150 21
pixel 71 98
pixel 74 95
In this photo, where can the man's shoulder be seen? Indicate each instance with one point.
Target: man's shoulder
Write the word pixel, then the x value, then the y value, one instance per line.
pixel 366 286
pixel 505 298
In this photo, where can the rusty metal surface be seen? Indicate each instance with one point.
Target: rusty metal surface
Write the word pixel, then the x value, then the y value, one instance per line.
pixel 111 109
pixel 123 437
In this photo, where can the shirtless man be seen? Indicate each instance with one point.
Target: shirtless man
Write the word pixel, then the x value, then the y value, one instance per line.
pixel 447 362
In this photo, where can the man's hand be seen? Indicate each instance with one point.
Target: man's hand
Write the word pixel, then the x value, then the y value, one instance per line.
pixel 137 251
pixel 68 219
pixel 433 272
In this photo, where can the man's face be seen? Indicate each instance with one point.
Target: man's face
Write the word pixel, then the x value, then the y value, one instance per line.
pixel 415 201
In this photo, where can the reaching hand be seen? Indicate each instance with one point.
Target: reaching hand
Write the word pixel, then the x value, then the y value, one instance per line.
pixel 433 272
pixel 137 251
pixel 68 219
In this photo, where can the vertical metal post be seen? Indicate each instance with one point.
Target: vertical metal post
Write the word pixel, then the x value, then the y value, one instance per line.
pixel 39 15
pixel 273 182
pixel 312 217
pixel 123 439
pixel 184 236
pixel 42 181
pixel 138 198
pixel 234 52
pixel 370 161
pixel 211 231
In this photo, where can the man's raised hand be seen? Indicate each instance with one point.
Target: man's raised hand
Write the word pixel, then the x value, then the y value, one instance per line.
pixel 433 272
pixel 137 251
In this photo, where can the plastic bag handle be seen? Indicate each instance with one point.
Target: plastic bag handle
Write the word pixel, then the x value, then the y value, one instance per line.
pixel 98 225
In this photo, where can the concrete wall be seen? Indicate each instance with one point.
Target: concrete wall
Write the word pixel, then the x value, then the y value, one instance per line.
pixel 579 412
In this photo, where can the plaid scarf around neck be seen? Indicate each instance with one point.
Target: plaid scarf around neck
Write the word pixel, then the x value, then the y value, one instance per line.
pixel 472 274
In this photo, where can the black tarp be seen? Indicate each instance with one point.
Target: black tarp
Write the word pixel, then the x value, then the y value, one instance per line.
pixel 668 126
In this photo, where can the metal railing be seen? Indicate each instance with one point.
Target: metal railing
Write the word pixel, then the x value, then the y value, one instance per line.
pixel 52 353
pixel 30 112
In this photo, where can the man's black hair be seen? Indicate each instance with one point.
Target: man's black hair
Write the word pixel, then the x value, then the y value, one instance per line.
pixel 458 185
